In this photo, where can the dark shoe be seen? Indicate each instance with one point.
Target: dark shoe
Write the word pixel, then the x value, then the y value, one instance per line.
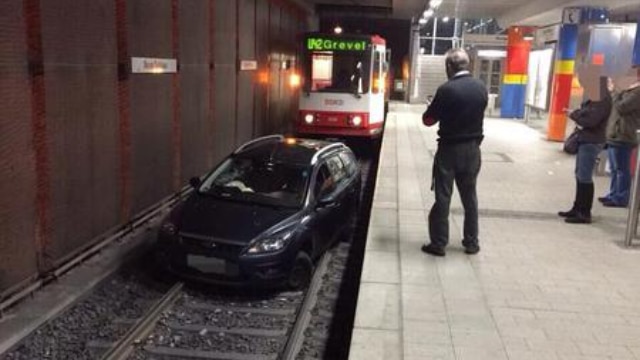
pixel 579 219
pixel 433 250
pixel 571 213
pixel 603 199
pixel 472 249
pixel 610 203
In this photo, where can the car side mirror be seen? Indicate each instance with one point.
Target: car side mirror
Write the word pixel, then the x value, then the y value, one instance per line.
pixel 195 182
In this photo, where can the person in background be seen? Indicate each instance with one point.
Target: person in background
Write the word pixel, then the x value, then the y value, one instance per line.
pixel 591 118
pixel 458 106
pixel 621 139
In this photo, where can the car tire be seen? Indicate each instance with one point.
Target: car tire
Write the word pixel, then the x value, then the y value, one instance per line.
pixel 300 275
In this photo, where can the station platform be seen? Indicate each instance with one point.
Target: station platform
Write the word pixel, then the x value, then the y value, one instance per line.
pixel 539 288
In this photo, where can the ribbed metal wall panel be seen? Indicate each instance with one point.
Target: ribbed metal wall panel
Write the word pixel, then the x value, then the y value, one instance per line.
pixel 197 131
pixel 87 145
pixel 151 103
pixel 246 51
pixel 79 64
pixel 275 57
pixel 262 55
pixel 17 188
pixel 225 77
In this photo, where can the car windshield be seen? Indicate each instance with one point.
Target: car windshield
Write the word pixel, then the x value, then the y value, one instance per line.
pixel 259 181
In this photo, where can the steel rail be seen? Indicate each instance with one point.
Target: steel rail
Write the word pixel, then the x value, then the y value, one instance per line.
pixel 123 348
pixel 296 338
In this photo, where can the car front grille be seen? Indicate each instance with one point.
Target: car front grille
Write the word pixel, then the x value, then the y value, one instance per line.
pixel 210 248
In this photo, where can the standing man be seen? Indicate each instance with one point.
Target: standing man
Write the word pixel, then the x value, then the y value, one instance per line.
pixel 459 106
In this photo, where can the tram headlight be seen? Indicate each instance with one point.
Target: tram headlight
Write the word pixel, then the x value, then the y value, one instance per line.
pixel 309 119
pixel 356 120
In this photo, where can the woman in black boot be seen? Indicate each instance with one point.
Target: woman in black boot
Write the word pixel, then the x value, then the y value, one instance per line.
pixel 591 119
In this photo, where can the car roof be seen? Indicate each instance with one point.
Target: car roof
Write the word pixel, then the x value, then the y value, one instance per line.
pixel 288 150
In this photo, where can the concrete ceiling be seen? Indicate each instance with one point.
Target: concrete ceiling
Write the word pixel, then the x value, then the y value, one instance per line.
pixel 507 12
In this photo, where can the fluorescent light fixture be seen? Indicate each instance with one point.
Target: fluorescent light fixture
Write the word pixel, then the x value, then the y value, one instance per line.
pixel 428 13
pixel 492 53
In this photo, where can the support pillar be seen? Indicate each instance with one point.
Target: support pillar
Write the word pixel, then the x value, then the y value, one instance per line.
pixel 564 68
pixel 562 80
pixel 514 81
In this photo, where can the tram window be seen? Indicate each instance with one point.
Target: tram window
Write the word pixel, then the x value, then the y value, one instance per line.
pixel 377 68
pixel 321 69
pixel 344 71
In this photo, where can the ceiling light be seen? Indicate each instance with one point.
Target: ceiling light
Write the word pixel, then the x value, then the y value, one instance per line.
pixel 422 21
pixel 337 30
pixel 435 3
pixel 428 13
pixel 445 19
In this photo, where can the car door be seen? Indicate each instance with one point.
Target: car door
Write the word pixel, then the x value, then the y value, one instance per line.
pixel 354 182
pixel 327 208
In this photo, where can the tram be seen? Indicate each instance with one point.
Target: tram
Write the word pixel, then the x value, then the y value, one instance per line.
pixel 344 90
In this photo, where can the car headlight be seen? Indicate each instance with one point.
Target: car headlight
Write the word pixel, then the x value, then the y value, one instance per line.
pixel 270 244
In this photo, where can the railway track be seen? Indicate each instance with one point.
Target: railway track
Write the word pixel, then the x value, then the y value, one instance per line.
pixel 193 325
pixel 133 316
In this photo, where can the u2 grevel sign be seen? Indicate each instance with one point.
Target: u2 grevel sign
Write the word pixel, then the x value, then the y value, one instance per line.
pixel 323 44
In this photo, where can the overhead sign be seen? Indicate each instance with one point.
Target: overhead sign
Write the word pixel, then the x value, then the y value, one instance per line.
pixel 328 44
pixel 153 65
pixel 547 34
pixel 571 16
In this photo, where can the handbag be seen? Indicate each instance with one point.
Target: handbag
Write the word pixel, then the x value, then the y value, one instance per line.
pixel 571 143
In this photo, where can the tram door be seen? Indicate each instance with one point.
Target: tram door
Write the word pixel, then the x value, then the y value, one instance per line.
pixel 490 73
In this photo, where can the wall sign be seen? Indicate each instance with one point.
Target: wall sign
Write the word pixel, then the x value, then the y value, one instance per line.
pixel 141 65
pixel 246 65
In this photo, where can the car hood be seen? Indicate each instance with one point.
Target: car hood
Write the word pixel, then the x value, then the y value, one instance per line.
pixel 229 220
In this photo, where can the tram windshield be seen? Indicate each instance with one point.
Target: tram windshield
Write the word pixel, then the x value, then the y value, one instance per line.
pixel 338 71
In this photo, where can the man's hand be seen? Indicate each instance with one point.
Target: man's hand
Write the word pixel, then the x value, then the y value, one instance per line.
pixel 428 121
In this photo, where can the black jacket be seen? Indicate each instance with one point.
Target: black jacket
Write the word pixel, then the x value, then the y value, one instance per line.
pixel 592 118
pixel 459 106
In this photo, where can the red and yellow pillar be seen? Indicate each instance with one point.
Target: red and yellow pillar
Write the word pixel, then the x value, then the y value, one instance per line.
pixel 514 80
pixel 562 81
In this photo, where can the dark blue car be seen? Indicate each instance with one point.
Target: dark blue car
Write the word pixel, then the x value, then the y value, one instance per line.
pixel 265 214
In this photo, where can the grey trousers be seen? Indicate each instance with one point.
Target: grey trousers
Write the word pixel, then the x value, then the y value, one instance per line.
pixel 460 163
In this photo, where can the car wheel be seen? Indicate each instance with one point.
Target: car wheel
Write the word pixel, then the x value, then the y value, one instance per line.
pixel 300 275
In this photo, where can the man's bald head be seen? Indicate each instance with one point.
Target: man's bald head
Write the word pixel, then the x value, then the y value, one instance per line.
pixel 456 60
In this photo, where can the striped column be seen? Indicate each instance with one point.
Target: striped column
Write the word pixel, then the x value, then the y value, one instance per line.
pixel 562 81
pixel 514 81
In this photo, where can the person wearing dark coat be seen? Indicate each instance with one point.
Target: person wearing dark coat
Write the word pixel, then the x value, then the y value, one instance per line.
pixel 621 139
pixel 458 107
pixel 591 119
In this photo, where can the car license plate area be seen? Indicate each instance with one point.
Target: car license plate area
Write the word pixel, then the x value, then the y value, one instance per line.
pixel 207 264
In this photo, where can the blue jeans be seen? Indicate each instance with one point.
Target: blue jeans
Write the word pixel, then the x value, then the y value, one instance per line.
pixel 620 162
pixel 586 161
